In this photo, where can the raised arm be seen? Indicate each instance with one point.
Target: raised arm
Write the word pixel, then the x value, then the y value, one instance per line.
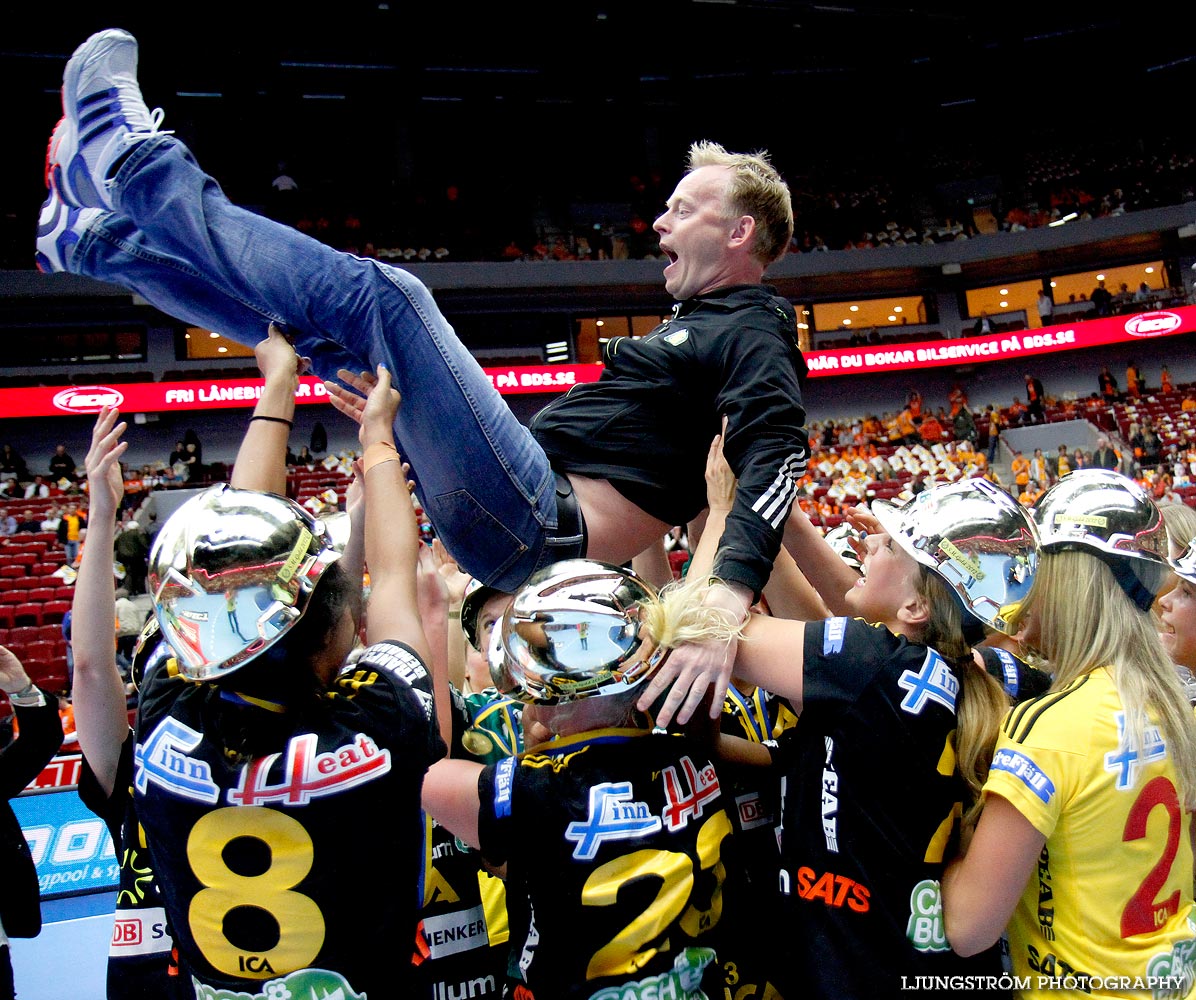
pixel 830 576
pixel 391 534
pixel 101 716
pixel 693 668
pixel 261 459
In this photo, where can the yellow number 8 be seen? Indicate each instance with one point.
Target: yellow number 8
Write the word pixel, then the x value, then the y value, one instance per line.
pixel 300 922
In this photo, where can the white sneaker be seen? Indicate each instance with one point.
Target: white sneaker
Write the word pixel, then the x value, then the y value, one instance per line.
pixel 59 228
pixel 104 115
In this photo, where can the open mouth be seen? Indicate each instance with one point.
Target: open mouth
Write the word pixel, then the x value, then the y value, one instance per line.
pixel 671 254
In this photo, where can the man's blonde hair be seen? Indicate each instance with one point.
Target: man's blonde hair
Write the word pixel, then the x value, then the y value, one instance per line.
pixel 756 189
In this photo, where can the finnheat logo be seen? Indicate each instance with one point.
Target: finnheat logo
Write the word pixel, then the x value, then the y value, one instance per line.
pixel 1152 324
pixel 87 398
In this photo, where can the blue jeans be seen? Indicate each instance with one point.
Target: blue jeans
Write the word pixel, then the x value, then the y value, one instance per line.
pixel 177 241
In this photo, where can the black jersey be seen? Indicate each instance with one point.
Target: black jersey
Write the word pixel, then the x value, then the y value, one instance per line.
pixel 621 843
pixel 461 941
pixel 870 805
pixel 141 964
pixel 302 865
pixel 1021 680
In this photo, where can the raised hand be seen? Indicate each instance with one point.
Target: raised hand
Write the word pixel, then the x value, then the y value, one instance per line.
pixel 720 480
pixel 378 413
pixel 105 480
pixel 275 356
pixel 12 672
pixel 455 578
pixel 350 403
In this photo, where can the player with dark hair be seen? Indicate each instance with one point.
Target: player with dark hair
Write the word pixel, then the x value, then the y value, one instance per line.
pixel 260 761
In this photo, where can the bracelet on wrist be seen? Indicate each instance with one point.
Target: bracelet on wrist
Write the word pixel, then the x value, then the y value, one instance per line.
pixel 273 420
pixel 30 696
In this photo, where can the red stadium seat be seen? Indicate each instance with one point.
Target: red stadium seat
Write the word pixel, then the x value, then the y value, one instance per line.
pixel 40 594
pixel 46 568
pixel 27 614
pixel 64 593
pixel 47 676
pixel 12 571
pixel 46 652
pixel 5 618
pixel 21 635
pixel 54 611
pixel 51 633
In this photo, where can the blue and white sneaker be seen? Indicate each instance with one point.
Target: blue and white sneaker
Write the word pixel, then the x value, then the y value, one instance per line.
pixel 59 228
pixel 104 116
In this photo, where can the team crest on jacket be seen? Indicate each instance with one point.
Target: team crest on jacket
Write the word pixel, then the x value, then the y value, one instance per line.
pixel 676 338
pixel 934 682
pixel 613 815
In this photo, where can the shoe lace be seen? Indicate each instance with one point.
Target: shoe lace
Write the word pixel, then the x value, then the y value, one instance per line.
pixel 131 94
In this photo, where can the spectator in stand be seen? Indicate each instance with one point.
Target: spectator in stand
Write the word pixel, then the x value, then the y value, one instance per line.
pixel 52 519
pixel 1062 463
pixel 8 523
pixel 1189 402
pixel 1143 294
pixel 914 402
pixel 1035 398
pixel 178 455
pixel 1046 307
pixel 1105 457
pixel 1029 496
pixel 1102 298
pixel 994 432
pixel 931 429
pixel 12 465
pixel 30 523
pixel 38 489
pixel 1081 459
pixel 958 398
pixel 1040 471
pixel 1107 384
pixel 131 549
pixel 1151 444
pixel 1020 467
pixel 1165 385
pixel 983 325
pixel 1017 412
pixel 964 425
pixel 62 466
pixel 1133 380
pixel 69 528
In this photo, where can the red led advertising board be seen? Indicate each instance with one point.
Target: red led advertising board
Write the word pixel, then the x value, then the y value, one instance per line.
pixel 163 397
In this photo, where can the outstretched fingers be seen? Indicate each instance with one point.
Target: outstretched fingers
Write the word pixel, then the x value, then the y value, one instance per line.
pixel 106 445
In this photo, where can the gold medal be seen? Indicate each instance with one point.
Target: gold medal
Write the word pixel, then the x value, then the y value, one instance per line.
pixel 477 742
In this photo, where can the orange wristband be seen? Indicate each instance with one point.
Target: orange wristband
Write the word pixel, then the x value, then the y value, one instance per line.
pixel 377 454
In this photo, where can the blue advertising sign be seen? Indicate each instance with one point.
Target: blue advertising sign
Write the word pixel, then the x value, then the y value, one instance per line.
pixel 71 845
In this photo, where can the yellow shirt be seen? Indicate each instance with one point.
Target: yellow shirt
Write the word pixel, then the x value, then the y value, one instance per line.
pixel 1112 893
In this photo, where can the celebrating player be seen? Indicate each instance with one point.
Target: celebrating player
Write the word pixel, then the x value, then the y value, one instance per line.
pixel 1083 848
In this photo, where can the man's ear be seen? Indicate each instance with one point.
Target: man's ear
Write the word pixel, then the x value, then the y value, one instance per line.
pixel 742 232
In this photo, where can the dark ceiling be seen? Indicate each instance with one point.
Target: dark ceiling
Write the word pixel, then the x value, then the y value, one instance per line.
pixel 527 104
pixel 579 85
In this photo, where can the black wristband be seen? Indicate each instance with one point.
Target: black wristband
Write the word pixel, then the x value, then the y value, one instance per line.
pixel 274 420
